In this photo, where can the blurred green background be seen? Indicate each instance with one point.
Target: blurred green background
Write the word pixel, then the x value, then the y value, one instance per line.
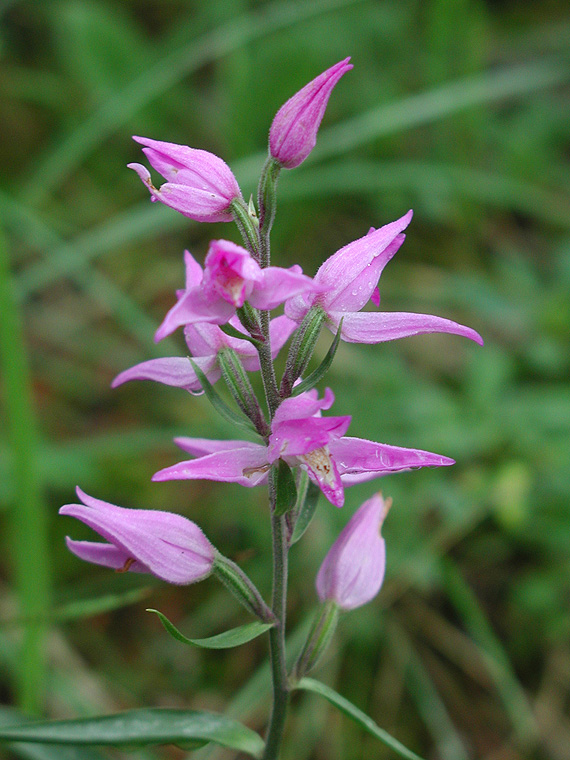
pixel 457 108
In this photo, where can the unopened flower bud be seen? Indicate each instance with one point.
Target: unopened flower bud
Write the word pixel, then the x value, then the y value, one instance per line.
pixel 353 570
pixel 293 133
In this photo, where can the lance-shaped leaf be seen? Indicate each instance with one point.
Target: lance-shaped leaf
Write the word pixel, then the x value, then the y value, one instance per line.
pixel 136 728
pixel 11 717
pixel 218 403
pixel 286 490
pixel 318 374
pixel 309 684
pixel 305 509
pixel 226 640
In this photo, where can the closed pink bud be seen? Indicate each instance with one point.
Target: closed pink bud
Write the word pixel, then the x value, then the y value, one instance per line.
pixel 199 184
pixel 293 133
pixel 353 570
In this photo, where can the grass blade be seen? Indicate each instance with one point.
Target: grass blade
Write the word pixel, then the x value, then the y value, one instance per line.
pixel 28 517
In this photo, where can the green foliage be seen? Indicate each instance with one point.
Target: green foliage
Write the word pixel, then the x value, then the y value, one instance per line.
pixel 140 728
pixel 226 640
pixel 458 110
pixel 309 684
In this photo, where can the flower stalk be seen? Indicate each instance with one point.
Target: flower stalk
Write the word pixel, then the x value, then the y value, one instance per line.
pixel 299 452
pixel 280 680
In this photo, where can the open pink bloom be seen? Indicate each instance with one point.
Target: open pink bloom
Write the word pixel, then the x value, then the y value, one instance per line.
pixel 199 184
pixel 142 541
pixel 301 437
pixel 293 133
pixel 230 278
pixel 205 341
pixel 349 280
pixel 353 570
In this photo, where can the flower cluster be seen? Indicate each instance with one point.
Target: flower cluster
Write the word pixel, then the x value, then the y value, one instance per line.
pixel 224 309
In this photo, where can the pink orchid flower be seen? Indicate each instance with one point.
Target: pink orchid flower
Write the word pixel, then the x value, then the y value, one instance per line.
pixel 230 278
pixel 301 437
pixel 199 184
pixel 142 541
pixel 353 570
pixel 349 280
pixel 205 341
pixel 293 133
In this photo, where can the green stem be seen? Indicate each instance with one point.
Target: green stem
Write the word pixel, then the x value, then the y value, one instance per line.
pixel 266 196
pixel 248 227
pixel 267 368
pixel 28 515
pixel 277 634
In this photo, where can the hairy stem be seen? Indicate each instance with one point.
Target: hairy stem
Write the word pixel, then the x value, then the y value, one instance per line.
pixel 267 369
pixel 277 634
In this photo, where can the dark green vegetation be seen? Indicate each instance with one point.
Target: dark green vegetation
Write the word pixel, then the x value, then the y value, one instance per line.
pixel 457 108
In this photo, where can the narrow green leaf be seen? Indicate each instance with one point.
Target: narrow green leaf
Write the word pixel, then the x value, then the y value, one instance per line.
pixel 306 511
pixel 309 684
pixel 141 727
pixel 226 640
pixel 11 717
pixel 310 381
pixel 286 489
pixel 233 332
pixel 218 403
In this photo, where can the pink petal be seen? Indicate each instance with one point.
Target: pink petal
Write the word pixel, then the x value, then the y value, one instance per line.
pixel 351 274
pixel 201 446
pixel 298 437
pixel 302 406
pixel 194 203
pixel 359 459
pixel 280 284
pixel 323 471
pixel 204 339
pixel 380 326
pixel 176 371
pixel 194 307
pixel 193 167
pixel 107 555
pixel 194 271
pixel 170 546
pixel 245 466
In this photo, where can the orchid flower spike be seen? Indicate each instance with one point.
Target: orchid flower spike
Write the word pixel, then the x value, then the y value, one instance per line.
pixel 353 570
pixel 349 281
pixel 142 541
pixel 293 133
pixel 301 437
pixel 230 277
pixel 198 184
